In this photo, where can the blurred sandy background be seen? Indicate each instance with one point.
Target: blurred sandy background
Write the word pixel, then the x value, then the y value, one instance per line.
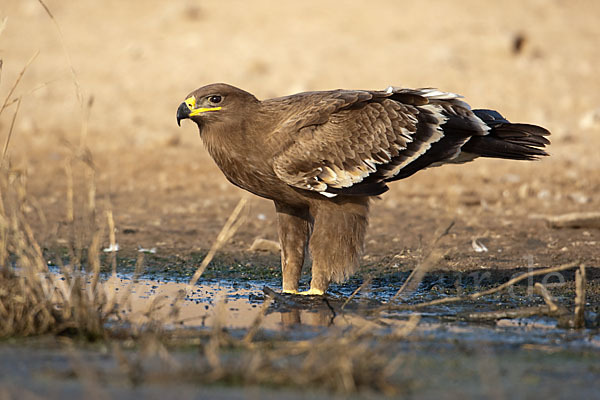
pixel 138 60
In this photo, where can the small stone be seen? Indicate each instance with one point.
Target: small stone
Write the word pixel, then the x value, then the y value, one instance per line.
pixel 575 220
pixel 590 119
pixel 478 246
pixel 265 245
pixel 524 191
pixel 543 194
pixel 579 197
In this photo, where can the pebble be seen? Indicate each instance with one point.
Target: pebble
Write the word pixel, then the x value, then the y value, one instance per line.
pixel 575 220
pixel 266 245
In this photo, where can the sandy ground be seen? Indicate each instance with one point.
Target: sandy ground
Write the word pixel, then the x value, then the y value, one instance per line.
pixel 135 61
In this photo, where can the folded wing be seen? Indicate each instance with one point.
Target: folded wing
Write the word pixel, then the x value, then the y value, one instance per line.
pixel 353 142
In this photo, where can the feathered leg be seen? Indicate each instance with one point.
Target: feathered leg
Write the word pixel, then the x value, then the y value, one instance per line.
pixel 337 240
pixel 293 227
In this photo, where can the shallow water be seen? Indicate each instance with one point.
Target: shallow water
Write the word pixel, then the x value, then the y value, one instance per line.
pixel 440 357
pixel 234 305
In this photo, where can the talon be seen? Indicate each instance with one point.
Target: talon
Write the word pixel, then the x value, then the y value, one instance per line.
pixel 312 292
pixel 290 291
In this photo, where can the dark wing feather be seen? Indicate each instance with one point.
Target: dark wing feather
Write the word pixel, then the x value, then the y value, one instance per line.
pixel 508 140
pixel 367 138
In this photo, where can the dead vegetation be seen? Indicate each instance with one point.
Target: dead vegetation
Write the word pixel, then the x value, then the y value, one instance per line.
pixel 355 359
pixel 34 301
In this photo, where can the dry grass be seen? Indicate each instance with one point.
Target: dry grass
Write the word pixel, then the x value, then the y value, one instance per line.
pixel 31 302
pixel 342 361
pixel 34 302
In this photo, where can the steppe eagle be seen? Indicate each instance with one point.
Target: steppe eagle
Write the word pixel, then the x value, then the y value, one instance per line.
pixel 320 156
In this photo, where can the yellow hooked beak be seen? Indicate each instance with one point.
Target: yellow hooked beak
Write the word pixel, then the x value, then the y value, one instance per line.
pixel 188 109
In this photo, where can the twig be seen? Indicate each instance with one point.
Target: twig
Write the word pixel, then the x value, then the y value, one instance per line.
pixel 229 229
pixel 113 240
pixel 546 296
pixel 94 258
pixel 69 205
pixel 366 283
pixel 477 295
pixel 31 91
pixel 14 86
pixel 257 321
pixel 10 131
pixel 420 269
pixel 406 327
pixel 91 198
pixel 2 27
pixel 84 122
pixel 78 91
pixel 513 313
pixel 580 284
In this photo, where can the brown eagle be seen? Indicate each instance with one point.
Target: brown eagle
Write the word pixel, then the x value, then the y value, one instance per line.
pixel 321 156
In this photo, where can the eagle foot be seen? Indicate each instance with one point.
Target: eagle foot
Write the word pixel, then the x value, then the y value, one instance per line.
pixel 309 292
pixel 312 292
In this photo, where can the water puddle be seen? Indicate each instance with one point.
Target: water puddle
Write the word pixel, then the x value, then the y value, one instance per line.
pixel 233 305
pixel 225 303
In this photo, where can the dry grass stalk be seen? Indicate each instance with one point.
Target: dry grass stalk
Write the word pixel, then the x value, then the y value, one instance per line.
pixel 139 268
pixel 231 226
pixel 10 131
pixel 513 313
pixel 69 204
pixel 94 258
pixel 336 363
pixel 548 299
pixel 2 27
pixel 91 198
pixel 417 274
pixel 365 284
pixel 475 296
pixel 17 81
pixel 255 326
pixel 30 91
pixel 405 328
pixel 113 241
pixel 34 301
pixel 61 38
pixel 580 288
pixel 86 374
pixel 85 122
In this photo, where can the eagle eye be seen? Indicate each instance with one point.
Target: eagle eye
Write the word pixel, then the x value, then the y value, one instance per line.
pixel 215 99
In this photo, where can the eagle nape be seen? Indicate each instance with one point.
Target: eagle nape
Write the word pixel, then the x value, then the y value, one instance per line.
pixel 321 156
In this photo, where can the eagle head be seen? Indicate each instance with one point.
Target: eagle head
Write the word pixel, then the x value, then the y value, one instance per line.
pixel 213 102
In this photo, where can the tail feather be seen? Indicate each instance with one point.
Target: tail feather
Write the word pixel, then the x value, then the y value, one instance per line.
pixel 507 140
